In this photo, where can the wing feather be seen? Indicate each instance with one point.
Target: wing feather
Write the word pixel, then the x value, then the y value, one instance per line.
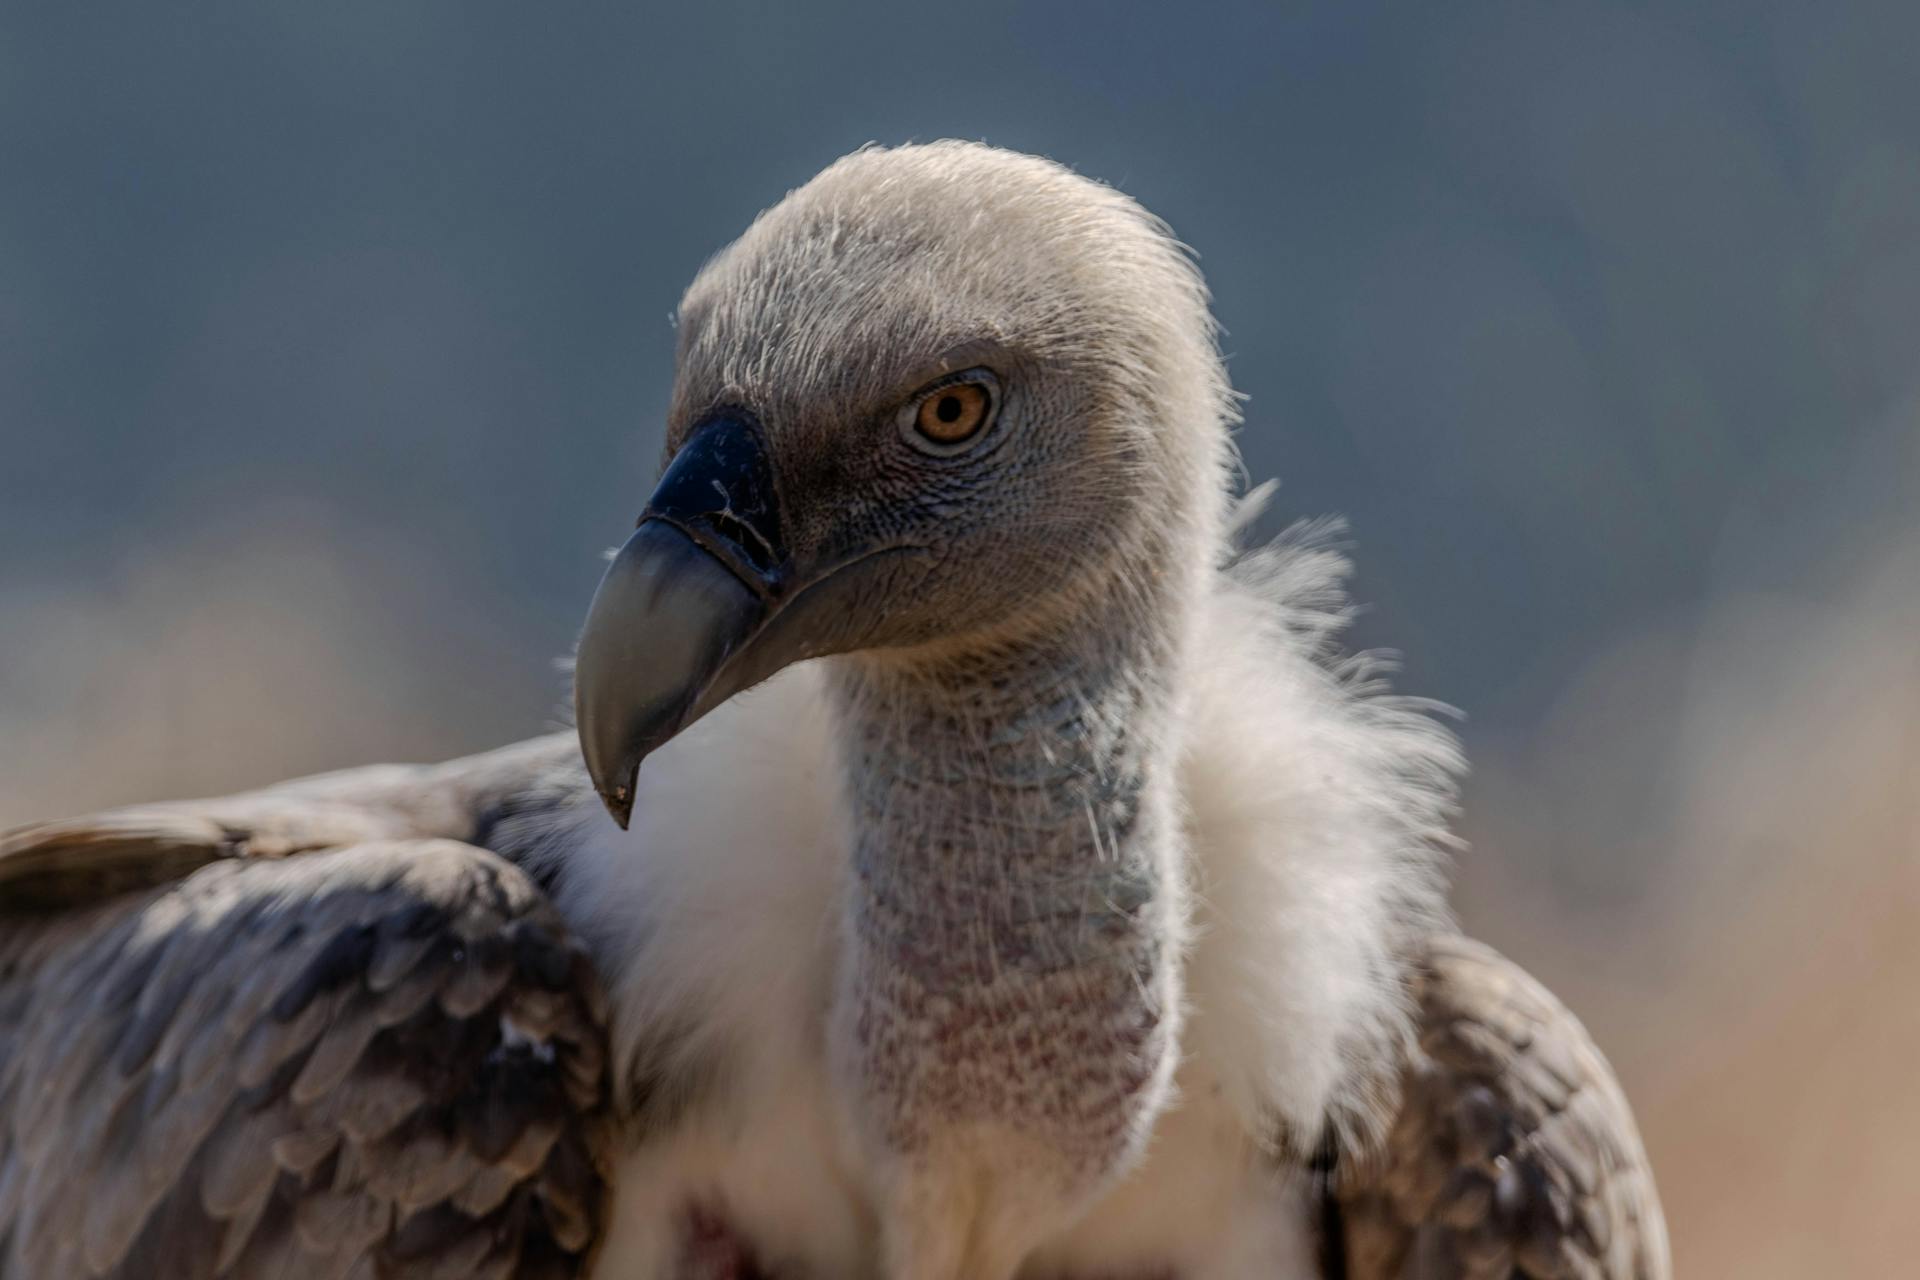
pixel 1514 1153
pixel 491 800
pixel 384 1056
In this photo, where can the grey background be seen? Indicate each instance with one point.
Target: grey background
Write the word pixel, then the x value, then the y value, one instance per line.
pixel 334 339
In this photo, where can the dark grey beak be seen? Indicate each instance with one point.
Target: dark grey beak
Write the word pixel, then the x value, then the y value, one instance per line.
pixel 681 601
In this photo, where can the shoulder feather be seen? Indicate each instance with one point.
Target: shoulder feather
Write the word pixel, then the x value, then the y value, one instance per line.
pixel 1514 1152
pixel 386 1055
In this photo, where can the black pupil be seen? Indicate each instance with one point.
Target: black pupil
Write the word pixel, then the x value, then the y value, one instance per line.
pixel 948 410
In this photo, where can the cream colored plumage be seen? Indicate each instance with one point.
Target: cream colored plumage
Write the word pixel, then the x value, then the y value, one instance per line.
pixel 1018 882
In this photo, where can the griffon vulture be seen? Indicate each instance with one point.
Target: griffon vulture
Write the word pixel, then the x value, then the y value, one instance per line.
pixel 970 864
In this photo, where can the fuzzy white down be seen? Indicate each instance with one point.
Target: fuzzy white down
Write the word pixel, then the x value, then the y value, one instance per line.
pixel 1314 807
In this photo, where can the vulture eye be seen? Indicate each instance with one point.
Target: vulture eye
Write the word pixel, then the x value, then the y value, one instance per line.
pixel 952 412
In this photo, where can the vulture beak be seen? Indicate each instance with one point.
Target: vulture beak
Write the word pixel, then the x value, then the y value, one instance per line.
pixel 705 601
pixel 679 604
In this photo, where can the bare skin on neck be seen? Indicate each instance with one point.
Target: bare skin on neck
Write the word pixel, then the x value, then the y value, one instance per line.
pixel 1009 1006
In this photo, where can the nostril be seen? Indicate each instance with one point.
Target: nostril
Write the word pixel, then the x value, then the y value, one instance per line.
pixel 753 547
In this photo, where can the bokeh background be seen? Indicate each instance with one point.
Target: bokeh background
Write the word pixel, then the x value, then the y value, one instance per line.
pixel 334 340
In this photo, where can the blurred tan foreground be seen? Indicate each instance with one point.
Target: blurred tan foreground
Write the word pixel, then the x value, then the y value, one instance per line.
pixel 1758 757
pixel 1761 1003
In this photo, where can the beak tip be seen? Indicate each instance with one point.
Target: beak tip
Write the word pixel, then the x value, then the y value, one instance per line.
pixel 619 799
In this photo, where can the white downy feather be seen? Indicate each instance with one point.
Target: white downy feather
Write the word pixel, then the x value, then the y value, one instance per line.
pixel 1315 809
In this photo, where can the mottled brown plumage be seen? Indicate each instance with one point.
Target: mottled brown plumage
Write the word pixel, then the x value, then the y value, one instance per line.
pixel 1513 1153
pixel 304 1032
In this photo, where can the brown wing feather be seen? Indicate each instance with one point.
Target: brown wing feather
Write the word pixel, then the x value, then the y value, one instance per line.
pixel 76 861
pixel 1514 1152
pixel 378 1059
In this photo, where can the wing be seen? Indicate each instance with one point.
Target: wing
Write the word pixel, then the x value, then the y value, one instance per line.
pixel 383 1057
pixel 1514 1152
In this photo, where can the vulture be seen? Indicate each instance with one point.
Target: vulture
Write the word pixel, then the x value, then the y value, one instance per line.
pixel 972 860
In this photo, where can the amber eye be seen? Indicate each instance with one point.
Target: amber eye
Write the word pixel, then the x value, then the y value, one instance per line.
pixel 954 412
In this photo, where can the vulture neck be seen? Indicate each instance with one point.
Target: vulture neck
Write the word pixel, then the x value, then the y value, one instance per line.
pixel 1015 875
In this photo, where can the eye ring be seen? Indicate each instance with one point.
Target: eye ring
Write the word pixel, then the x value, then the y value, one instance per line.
pixel 952 415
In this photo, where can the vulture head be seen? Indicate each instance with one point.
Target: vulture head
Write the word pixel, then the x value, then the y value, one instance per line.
pixel 943 404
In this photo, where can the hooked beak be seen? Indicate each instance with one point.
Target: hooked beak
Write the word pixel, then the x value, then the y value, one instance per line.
pixel 687 591
pixel 702 602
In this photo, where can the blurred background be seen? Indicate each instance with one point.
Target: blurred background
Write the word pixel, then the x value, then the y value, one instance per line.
pixel 334 340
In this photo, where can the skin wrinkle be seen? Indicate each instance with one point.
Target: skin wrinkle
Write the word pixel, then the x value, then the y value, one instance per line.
pixel 1019 925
